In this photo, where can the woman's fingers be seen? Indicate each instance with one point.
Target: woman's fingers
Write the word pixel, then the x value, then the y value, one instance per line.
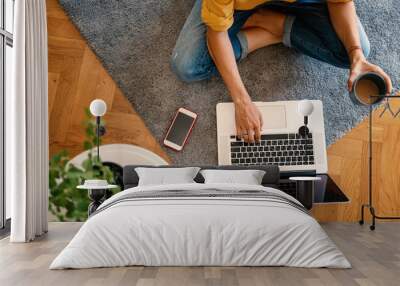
pixel 261 119
pixel 257 134
pixel 239 132
pixel 250 134
pixel 253 133
pixel 350 82
pixel 243 133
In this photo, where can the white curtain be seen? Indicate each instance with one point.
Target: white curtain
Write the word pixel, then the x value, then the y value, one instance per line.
pixel 27 121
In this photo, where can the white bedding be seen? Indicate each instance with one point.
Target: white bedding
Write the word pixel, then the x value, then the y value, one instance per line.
pixel 200 231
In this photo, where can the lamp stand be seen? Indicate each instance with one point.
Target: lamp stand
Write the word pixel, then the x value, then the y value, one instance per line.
pixel 100 131
pixel 370 187
pixel 303 130
pixel 98 136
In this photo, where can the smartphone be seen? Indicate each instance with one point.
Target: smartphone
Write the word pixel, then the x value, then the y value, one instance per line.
pixel 180 129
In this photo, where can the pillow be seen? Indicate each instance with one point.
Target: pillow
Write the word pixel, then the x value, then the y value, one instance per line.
pixel 248 177
pixel 166 176
pixel 271 177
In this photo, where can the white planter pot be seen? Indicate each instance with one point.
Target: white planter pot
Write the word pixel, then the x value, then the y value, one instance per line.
pixel 122 155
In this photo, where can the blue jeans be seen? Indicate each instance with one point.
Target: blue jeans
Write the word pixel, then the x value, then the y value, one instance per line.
pixel 307 29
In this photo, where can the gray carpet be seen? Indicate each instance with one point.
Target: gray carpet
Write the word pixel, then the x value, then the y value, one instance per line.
pixel 134 40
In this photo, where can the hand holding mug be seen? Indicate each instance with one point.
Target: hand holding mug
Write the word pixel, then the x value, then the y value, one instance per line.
pixel 362 66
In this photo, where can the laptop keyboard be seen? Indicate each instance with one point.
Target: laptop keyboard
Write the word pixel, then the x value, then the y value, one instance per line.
pixel 279 149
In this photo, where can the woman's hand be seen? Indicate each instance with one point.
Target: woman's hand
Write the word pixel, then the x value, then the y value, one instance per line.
pixel 360 65
pixel 248 121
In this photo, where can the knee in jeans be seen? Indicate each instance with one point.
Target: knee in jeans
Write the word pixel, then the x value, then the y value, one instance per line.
pixel 184 68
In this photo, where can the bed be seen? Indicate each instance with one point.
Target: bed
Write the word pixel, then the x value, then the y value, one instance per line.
pixel 201 224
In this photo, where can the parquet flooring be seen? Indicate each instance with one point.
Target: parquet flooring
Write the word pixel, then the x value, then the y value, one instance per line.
pixel 76 77
pixel 375 258
pixel 348 166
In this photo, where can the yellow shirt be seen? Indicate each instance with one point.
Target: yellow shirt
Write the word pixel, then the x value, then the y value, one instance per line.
pixel 218 14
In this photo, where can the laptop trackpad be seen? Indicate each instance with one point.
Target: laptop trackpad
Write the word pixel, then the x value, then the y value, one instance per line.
pixel 274 117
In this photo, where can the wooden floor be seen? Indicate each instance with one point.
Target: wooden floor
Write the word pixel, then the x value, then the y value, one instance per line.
pixel 76 77
pixel 348 166
pixel 375 257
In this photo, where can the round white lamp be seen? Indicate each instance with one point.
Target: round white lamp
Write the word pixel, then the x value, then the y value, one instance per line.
pixel 305 107
pixel 98 108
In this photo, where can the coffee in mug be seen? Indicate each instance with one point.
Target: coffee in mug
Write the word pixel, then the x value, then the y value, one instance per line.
pixel 365 90
pixel 368 88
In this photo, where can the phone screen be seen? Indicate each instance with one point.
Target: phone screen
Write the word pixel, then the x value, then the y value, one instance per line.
pixel 180 128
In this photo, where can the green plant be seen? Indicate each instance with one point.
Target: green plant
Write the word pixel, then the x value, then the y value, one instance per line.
pixel 65 201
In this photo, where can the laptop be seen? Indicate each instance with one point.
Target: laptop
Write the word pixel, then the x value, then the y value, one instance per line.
pixel 280 144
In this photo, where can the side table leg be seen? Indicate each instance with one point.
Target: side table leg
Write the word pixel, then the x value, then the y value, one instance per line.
pixel 361 221
pixel 96 196
pixel 372 226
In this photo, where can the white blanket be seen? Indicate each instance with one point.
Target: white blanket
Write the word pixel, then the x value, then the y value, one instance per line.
pixel 183 231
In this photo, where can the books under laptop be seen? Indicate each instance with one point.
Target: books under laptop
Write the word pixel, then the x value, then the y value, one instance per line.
pixel 280 143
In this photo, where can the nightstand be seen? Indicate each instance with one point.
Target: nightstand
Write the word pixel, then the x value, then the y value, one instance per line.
pixel 305 187
pixel 96 191
pixel 326 191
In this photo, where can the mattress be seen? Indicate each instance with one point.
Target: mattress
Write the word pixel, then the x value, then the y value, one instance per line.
pixel 201 225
